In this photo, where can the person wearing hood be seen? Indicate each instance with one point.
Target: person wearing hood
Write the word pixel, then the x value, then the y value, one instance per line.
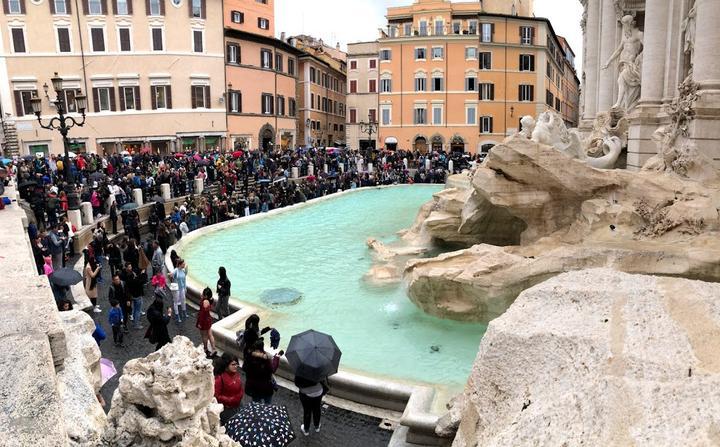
pixel 158 332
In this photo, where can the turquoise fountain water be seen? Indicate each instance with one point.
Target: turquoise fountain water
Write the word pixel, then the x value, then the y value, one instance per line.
pixel 320 251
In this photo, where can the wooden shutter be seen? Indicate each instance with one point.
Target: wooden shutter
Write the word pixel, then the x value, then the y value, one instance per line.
pixel 207 97
pixel 162 7
pixel 203 14
pixel 532 93
pixel 111 93
pixel 520 92
pixel 121 92
pixel 86 7
pixel 68 6
pixel 168 94
pixel 129 7
pixel 103 5
pixel 153 98
pixel 147 7
pixel 491 124
pixel 6 7
pixel 96 100
pixel 114 6
pixel 492 92
pixel 22 7
pixel 190 7
pixel 63 39
pixel 532 62
pixel 193 98
pixel 197 41
pixel 18 37
pixel 19 110
pixel 136 90
pixel 52 6
pixel 125 39
pixel 532 36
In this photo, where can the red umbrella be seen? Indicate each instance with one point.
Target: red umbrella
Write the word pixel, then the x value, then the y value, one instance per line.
pixel 311 178
pixel 179 155
pixel 237 154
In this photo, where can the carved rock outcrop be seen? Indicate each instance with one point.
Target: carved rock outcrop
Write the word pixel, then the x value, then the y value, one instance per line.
pixel 598 357
pixel 548 214
pixel 166 399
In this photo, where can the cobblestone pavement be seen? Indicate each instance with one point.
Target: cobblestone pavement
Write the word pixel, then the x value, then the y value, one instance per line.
pixel 339 427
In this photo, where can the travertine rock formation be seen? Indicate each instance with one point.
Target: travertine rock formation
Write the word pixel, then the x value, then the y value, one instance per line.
pixel 598 357
pixel 547 214
pixel 166 399
pixel 79 381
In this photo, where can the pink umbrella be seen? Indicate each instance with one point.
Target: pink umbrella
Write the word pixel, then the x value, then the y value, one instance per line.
pixel 107 370
pixel 196 157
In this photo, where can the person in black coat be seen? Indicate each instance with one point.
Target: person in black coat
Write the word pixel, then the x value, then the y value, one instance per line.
pixel 157 332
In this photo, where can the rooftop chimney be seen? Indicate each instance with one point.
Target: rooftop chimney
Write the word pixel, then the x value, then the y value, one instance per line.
pixel 282 36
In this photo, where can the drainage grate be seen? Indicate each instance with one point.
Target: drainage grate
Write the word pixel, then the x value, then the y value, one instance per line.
pixel 388 424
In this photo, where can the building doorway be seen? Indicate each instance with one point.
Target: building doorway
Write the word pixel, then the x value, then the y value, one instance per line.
pixel 267 137
pixel 391 143
pixel 421 145
pixel 437 143
pixel 457 144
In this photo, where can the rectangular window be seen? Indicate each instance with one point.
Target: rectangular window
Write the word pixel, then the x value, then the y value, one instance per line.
pixel 124 34
pixel 161 97
pixel 549 70
pixel 487 32
pixel 18 38
pixel 155 7
pixel 437 52
pixel 234 102
pixel 95 7
pixel 372 64
pixel 470 53
pixel 372 86
pixel 121 7
pixel 103 99
pixel 127 95
pixel 527 35
pixel 280 105
pixel 392 31
pixel 197 10
pixel 353 86
pixel 15 7
pixel 456 27
pixel 22 100
pixel 385 115
pixel 267 104
pixel 486 60
pixel 353 116
pixel 200 96
pixel 312 74
pixel 157 39
pixel 486 124
pixel 233 53
pixel 470 114
pixel 68 97
pixel 420 53
pixel 420 84
pixel 353 65
pixel 437 112
pixel 60 6
pixel 97 36
pixel 439 27
pixel 312 101
pixel 63 36
pixel 557 104
pixel 471 84
pixel 423 28
pixel 197 41
pixel 278 62
pixel 437 84
pixel 263 23
pixel 291 66
pixel 527 62
pixel 549 98
pixel 372 115
pixel 407 29
pixel 487 91
pixel 385 85
pixel 526 93
pixel 420 115
pixel 385 55
pixel 292 108
pixel 265 59
pixel 237 17
pixel 472 27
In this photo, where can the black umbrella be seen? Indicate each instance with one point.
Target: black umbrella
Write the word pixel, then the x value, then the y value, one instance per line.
pixel 27 183
pixel 130 206
pixel 313 355
pixel 158 199
pixel 97 176
pixel 65 277
pixel 261 425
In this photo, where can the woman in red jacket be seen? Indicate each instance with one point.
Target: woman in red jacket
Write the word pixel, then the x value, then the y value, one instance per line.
pixel 228 386
pixel 204 322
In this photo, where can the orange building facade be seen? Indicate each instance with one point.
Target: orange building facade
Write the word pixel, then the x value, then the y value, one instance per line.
pixel 261 73
pixel 453 76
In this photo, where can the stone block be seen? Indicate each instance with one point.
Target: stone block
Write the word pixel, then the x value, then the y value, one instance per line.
pixel 75 218
pixel 87 213
pixel 199 186
pixel 165 191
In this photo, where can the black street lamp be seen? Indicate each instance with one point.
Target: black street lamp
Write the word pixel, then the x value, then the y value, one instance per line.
pixel 63 123
pixel 369 128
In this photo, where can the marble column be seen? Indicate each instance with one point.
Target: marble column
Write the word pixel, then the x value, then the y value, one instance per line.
pixel 199 186
pixel 607 85
pixel 295 172
pixel 165 190
pixel 654 51
pixel 137 195
pixel 592 35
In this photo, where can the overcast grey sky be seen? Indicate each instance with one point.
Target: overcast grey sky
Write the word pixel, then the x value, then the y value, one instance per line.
pixel 358 20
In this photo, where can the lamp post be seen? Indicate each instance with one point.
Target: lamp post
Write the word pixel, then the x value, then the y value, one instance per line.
pixel 369 128
pixel 63 123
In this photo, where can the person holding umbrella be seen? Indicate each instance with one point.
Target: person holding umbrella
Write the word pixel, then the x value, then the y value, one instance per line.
pixel 311 394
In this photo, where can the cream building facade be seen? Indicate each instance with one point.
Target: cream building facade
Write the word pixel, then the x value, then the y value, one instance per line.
pixel 362 94
pixel 153 72
pixel 680 40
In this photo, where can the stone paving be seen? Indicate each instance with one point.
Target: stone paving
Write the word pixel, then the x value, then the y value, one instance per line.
pixel 339 427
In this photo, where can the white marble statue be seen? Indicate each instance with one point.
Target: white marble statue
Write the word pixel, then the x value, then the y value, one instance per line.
pixel 688 27
pixel 527 125
pixel 629 57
